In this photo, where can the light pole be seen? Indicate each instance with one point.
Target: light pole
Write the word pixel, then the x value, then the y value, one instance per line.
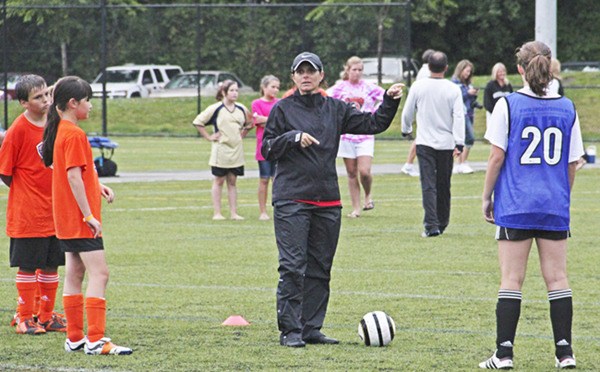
pixel 545 23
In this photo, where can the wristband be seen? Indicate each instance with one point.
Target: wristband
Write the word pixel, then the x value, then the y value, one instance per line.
pixel 88 218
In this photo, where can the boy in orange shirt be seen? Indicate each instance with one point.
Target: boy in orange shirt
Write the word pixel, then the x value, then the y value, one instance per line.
pixel 29 222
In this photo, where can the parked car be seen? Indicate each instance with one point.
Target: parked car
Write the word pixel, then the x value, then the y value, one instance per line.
pixel 393 69
pixel 134 81
pixel 186 84
pixel 11 78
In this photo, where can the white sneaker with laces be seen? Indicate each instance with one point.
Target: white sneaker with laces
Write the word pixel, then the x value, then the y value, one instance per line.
pixel 566 362
pixel 495 363
pixel 105 347
pixel 71 346
pixel 466 169
pixel 409 169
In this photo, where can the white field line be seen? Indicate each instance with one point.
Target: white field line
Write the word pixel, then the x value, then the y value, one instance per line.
pixel 25 367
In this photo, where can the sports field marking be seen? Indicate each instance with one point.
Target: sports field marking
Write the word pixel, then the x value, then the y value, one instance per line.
pixel 25 367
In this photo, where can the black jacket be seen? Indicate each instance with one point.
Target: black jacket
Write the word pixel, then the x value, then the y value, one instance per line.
pixel 310 173
pixel 493 92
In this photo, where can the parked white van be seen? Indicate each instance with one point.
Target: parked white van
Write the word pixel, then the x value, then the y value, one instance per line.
pixel 134 81
pixel 393 69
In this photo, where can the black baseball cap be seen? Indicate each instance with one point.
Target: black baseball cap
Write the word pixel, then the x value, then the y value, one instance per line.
pixel 309 57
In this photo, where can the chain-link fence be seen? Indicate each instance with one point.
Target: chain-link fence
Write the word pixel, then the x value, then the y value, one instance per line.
pixel 250 39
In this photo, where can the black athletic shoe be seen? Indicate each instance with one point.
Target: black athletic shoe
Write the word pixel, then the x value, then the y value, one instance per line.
pixel 430 233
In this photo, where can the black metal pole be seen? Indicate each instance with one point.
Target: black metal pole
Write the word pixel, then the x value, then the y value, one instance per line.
pixel 198 56
pixel 5 63
pixel 408 15
pixel 103 51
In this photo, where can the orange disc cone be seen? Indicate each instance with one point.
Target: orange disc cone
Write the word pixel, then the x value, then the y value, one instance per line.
pixel 235 320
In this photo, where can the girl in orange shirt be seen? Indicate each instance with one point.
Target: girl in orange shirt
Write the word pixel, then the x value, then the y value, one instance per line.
pixel 76 205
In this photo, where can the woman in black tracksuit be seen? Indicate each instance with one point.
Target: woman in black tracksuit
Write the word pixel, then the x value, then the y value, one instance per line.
pixel 302 136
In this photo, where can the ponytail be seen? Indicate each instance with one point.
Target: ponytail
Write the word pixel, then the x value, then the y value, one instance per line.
pixel 534 57
pixel 50 135
pixel 538 74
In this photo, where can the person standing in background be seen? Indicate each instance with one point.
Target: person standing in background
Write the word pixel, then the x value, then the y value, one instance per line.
pixel 230 120
pixel 357 149
pixel 438 106
pixel 495 89
pixel 556 86
pixel 269 87
pixel 463 73
pixel 409 167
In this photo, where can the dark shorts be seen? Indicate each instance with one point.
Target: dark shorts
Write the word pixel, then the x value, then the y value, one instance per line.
pixel 222 172
pixel 36 253
pixel 81 245
pixel 506 233
pixel 266 169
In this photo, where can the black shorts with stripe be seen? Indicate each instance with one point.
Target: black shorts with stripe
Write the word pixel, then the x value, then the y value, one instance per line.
pixel 36 253
pixel 507 233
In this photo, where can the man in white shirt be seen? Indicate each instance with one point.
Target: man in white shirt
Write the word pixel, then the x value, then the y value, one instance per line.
pixel 438 106
pixel 409 166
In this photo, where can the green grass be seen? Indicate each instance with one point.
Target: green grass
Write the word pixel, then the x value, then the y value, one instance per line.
pixel 176 276
pixel 173 116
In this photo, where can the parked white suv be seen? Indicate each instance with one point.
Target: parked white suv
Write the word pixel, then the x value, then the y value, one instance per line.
pixel 134 81
pixel 393 69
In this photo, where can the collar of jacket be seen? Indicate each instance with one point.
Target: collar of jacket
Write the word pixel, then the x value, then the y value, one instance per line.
pixel 309 100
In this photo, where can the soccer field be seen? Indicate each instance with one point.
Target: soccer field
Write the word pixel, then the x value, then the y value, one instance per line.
pixel 176 275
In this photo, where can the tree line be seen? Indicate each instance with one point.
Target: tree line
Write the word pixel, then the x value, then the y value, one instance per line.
pixel 254 37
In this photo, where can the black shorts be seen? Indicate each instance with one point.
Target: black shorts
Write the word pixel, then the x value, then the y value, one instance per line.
pixel 81 245
pixel 506 233
pixel 222 172
pixel 36 253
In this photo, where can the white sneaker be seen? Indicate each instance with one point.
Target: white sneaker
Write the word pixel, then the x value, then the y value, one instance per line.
pixel 409 169
pixel 71 346
pixel 566 362
pixel 105 347
pixel 495 363
pixel 466 169
pixel 457 169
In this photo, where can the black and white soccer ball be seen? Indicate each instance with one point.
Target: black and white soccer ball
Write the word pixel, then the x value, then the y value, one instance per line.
pixel 376 329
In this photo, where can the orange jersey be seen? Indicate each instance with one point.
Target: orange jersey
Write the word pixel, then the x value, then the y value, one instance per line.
pixel 72 149
pixel 29 209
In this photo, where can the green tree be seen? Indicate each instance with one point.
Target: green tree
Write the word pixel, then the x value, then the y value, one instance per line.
pixel 49 29
pixel 577 36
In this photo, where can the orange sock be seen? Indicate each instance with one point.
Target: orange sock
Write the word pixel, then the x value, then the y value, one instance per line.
pixel 26 289
pixel 95 308
pixel 48 284
pixel 36 303
pixel 73 305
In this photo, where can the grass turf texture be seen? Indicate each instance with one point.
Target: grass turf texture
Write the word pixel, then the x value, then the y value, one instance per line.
pixel 176 275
